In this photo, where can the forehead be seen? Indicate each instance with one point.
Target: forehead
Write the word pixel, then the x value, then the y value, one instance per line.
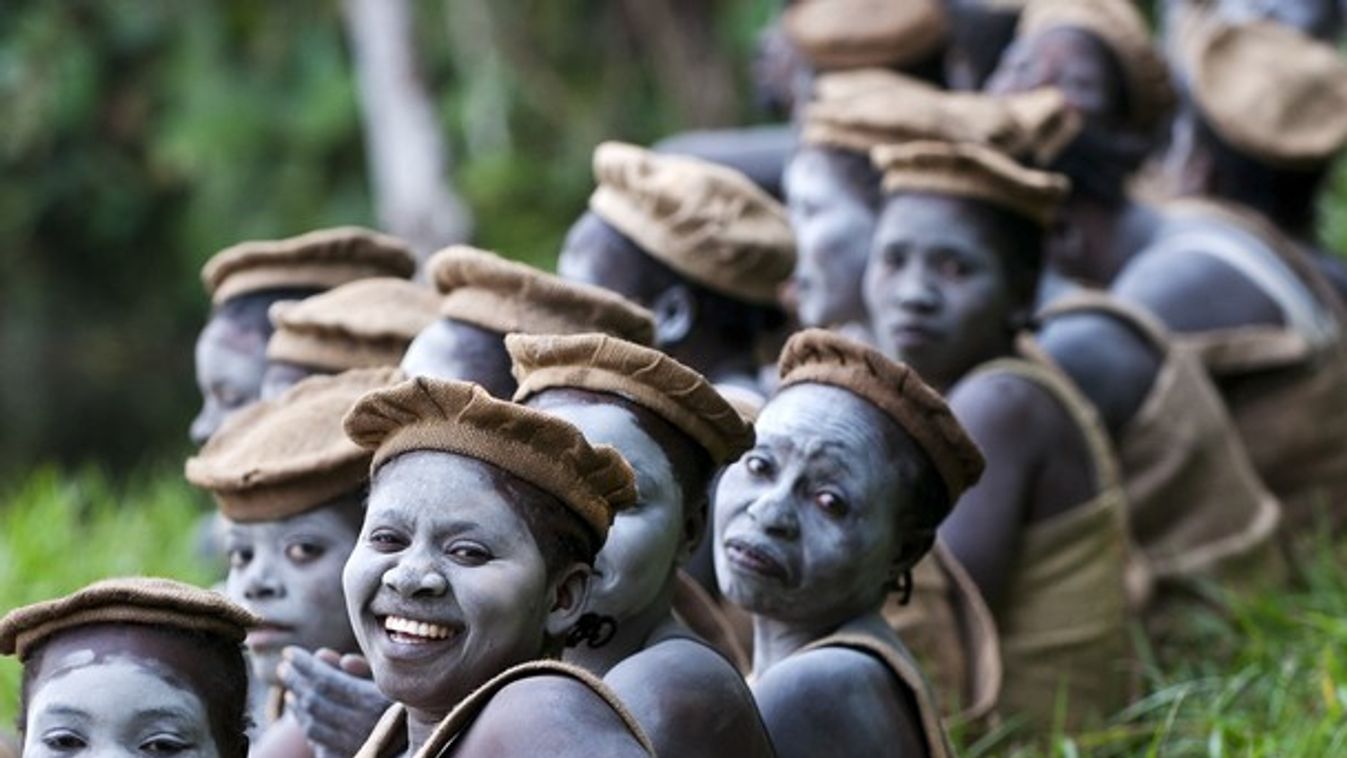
pixel 817 174
pixel 434 486
pixel 933 219
pixel 1063 44
pixel 223 337
pixel 823 417
pixel 325 518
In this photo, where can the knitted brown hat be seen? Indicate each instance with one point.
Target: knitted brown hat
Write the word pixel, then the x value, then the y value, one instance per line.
pixel 1121 27
pixel 864 108
pixel 834 34
pixel 822 357
pixel 707 222
pixel 363 324
pixel 161 603
pixel 643 375
pixel 461 418
pixel 1270 92
pixel 505 296
pixel 284 456
pixel 319 260
pixel 972 171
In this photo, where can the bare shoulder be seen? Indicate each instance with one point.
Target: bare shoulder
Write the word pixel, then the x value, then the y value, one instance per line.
pixel 1112 363
pixel 1001 406
pixel 838 701
pixel 564 717
pixel 1190 291
pixel 687 669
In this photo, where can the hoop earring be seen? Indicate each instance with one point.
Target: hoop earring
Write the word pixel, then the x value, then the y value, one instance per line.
pixel 902 584
pixel 593 630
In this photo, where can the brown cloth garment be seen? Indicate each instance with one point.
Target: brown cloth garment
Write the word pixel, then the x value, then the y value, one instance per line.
pixel 389 738
pixel 1063 622
pixel 892 654
pixel 1196 505
pixel 949 630
pixel 1285 386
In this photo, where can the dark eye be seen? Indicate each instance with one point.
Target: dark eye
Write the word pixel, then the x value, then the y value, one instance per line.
pixel 953 268
pixel 240 557
pixel 386 541
pixel 757 465
pixel 469 553
pixel 830 503
pixel 64 741
pixel 304 552
pixel 164 746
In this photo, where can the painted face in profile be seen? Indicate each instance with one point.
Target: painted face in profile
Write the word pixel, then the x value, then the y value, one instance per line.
pixel 230 361
pixel 646 542
pixel 446 586
pixel 833 226
pixel 1071 60
pixel 289 573
pixel 805 521
pixel 937 290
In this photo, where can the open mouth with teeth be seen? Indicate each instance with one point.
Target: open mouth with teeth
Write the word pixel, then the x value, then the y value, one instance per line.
pixel 411 632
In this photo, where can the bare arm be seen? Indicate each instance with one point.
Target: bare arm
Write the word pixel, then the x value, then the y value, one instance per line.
pixel 1111 364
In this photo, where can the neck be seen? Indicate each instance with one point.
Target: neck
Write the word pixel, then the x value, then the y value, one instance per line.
pixel 633 633
pixel 775 640
pixel 420 725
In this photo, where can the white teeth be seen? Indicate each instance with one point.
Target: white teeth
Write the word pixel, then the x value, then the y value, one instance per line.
pixel 416 628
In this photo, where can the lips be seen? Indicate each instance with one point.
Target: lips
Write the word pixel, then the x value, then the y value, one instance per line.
pixel 913 335
pixel 755 559
pixel 269 635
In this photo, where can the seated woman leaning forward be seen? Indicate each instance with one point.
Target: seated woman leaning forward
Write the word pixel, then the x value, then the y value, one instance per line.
pixel 856 464
pixel 131 667
pixel 472 568
pixel 951 281
pixel 676 431
pixel 290 485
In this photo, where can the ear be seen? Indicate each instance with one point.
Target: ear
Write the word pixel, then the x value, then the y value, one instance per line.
pixel 570 595
pixel 695 529
pixel 675 312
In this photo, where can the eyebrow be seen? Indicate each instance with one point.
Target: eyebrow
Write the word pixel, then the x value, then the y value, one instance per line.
pixel 169 712
pixel 66 710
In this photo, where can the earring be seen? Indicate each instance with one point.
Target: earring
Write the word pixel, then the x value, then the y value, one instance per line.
pixel 903 586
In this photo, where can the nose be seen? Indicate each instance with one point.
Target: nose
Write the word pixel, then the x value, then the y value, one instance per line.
pixel 915 290
pixel 416 578
pixel 773 512
pixel 262 581
pixel 203 426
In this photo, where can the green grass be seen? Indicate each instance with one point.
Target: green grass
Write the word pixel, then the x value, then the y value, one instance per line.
pixel 1267 677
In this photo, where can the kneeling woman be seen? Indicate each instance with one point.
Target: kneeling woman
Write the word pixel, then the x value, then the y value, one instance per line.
pixel 471 569
pixel 856 464
pixel 131 667
pixel 676 431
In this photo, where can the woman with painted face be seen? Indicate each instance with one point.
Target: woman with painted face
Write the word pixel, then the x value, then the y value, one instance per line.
pixel 950 286
pixel 676 431
pixel 290 486
pixel 245 280
pixel 472 570
pixel 855 465
pixel 367 323
pixel 131 667
pixel 484 297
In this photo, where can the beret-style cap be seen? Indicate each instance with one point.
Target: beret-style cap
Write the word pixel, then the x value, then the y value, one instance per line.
pixel 861 109
pixel 319 260
pixel 643 375
pixel 835 34
pixel 972 171
pixel 707 222
pixel 1123 30
pixel 463 419
pixel 822 357
pixel 505 296
pixel 161 603
pixel 287 455
pixel 362 324
pixel 1270 92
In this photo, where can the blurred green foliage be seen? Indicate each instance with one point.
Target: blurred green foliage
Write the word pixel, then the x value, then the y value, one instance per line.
pixel 139 138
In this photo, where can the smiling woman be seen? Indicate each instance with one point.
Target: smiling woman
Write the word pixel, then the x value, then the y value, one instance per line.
pixel 473 564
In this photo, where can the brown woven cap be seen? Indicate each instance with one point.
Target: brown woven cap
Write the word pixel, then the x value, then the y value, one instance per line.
pixel 645 376
pixel 284 456
pixel 822 357
pixel 1121 27
pixel 707 222
pixel 972 171
pixel 363 324
pixel 320 260
pixel 835 34
pixel 161 603
pixel 864 108
pixel 506 296
pixel 463 419
pixel 1270 92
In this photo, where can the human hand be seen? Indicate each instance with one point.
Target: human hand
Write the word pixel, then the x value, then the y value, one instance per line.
pixel 333 697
